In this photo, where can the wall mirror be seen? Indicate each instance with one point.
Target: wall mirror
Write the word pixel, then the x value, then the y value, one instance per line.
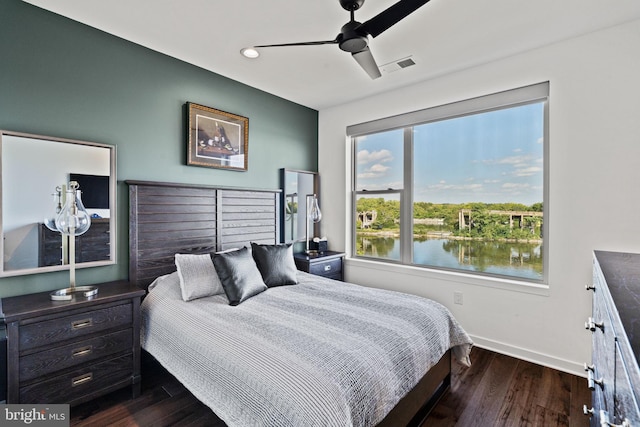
pixel 296 185
pixel 33 167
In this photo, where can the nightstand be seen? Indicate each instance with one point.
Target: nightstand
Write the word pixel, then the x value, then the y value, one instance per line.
pixel 73 351
pixel 326 264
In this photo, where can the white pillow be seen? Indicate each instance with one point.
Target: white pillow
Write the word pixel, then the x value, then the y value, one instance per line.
pixel 198 277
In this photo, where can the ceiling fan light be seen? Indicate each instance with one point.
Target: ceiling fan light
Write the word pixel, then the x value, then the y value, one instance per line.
pixel 354 45
pixel 249 52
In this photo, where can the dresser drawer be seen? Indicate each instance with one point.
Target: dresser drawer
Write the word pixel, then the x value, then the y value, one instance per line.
pixel 56 359
pixel 63 328
pixel 80 382
pixel 331 267
pixel 597 403
pixel 626 403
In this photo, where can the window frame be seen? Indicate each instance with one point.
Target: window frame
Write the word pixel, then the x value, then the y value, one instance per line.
pixel 536 93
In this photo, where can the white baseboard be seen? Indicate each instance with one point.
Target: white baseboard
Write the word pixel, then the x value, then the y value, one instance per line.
pixel 571 367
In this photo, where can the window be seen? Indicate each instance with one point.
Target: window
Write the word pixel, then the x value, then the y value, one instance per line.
pixel 457 187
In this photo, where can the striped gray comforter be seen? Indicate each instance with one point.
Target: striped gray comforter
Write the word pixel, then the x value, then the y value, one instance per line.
pixel 320 353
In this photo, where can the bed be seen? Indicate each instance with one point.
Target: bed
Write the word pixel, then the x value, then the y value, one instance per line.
pixel 318 352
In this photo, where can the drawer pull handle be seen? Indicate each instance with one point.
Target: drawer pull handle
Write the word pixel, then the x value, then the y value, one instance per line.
pixel 592 325
pixel 587 411
pixel 79 324
pixel 591 288
pixel 82 379
pixel 327 267
pixel 82 351
pixel 592 381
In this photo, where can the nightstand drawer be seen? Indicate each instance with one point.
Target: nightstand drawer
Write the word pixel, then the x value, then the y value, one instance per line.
pixel 331 267
pixel 80 382
pixel 56 330
pixel 56 359
pixel 326 264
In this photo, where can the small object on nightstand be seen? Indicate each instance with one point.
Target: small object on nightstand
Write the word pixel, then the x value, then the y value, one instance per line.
pixel 318 245
pixel 326 264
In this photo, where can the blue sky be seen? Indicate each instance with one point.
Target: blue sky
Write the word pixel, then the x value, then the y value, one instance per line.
pixel 491 157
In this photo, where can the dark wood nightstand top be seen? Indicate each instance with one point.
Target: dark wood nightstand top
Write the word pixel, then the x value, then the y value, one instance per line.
pixel 323 256
pixel 39 304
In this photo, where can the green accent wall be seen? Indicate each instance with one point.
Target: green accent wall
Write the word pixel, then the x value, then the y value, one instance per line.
pixel 65 79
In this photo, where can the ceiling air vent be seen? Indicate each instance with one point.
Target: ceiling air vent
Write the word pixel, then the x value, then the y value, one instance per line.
pixel 398 64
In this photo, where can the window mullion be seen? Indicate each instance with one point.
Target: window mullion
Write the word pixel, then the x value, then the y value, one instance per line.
pixel 406 200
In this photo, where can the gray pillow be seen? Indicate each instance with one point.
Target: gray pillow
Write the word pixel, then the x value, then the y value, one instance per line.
pixel 239 275
pixel 198 277
pixel 275 263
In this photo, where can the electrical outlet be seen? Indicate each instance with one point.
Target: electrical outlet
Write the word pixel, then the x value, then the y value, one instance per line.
pixel 457 298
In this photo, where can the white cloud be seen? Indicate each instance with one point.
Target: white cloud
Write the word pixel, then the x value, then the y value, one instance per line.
pixel 528 171
pixel 515 185
pixel 454 187
pixel 378 168
pixel 522 165
pixel 375 171
pixel 380 156
pixel 512 160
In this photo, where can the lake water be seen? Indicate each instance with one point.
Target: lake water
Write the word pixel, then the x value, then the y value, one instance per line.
pixel 518 259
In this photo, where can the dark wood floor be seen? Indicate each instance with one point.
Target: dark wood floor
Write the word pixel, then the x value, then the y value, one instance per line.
pixel 497 390
pixel 500 390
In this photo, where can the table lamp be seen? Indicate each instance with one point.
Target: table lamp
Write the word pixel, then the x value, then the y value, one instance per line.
pixel 72 220
pixel 313 214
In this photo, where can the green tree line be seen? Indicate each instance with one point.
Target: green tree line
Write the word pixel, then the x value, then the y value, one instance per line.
pixel 483 223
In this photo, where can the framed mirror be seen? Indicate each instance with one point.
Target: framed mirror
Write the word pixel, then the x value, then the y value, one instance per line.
pixel 296 186
pixel 35 170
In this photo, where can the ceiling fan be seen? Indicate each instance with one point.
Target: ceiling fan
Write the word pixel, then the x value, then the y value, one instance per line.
pixel 354 36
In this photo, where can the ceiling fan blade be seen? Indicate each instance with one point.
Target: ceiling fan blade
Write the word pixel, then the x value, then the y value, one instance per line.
pixel 334 41
pixel 391 16
pixel 366 61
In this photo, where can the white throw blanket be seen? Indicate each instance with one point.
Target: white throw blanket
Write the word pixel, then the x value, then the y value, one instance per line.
pixel 320 353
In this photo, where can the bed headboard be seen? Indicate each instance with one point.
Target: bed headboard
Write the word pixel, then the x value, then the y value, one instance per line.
pixel 167 218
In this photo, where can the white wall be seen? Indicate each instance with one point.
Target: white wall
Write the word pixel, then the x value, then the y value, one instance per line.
pixel 594 200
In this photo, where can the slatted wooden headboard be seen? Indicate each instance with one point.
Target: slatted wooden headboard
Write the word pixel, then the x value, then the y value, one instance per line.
pixel 166 218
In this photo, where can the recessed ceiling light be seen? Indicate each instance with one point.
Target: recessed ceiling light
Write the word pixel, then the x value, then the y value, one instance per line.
pixel 249 52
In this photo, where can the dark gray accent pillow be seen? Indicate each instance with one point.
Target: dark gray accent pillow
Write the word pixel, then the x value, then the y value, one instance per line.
pixel 275 263
pixel 239 275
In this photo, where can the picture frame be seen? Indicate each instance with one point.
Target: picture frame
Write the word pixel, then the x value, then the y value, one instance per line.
pixel 217 139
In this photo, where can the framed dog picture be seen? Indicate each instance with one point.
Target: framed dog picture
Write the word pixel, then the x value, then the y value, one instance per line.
pixel 217 139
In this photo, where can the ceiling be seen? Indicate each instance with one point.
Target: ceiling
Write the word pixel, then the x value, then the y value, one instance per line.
pixel 442 37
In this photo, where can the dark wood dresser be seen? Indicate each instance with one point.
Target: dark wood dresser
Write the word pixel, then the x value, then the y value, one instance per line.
pixel 73 351
pixel 614 374
pixel 326 264
pixel 94 245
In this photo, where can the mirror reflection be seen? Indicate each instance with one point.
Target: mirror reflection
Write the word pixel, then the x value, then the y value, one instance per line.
pixel 36 172
pixel 296 186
